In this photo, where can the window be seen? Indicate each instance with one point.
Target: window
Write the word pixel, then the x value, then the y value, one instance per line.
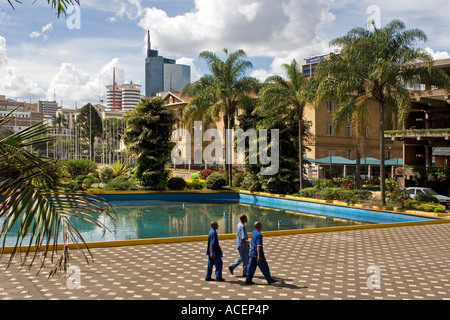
pixel 349 154
pixel 330 129
pixel 348 130
pixel 330 106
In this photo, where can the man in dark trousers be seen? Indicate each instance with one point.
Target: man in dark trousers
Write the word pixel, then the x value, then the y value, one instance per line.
pixel 242 245
pixel 214 253
pixel 256 257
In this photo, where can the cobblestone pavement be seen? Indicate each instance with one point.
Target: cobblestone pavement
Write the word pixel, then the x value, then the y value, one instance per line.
pixel 413 263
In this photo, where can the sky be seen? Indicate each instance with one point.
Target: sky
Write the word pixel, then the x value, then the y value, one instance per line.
pixel 71 58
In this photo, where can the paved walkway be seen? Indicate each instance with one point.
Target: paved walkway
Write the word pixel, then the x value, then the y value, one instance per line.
pixel 413 263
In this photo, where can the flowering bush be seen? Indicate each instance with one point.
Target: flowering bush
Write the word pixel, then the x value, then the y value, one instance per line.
pixel 399 171
pixel 398 197
pixel 205 173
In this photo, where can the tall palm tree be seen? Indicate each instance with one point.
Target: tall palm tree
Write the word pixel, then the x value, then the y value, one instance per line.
pixel 59 5
pixel 31 208
pixel 221 92
pixel 378 65
pixel 287 98
pixel 59 121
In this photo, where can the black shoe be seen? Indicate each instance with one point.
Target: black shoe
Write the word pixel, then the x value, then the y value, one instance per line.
pixel 221 279
pixel 249 283
pixel 209 279
pixel 272 281
pixel 231 269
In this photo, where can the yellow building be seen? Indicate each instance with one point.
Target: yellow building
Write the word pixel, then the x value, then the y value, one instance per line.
pixel 327 141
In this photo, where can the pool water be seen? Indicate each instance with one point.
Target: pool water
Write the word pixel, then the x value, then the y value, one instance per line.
pixel 192 219
pixel 159 219
pixel 146 216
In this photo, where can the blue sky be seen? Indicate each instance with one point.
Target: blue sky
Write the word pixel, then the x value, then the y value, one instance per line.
pixel 72 58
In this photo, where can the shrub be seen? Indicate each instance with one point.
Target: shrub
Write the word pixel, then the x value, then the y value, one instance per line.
pixel 321 183
pixel 195 184
pixel 425 206
pixel 426 198
pixel 106 173
pixel 79 167
pixel 251 183
pixel 347 195
pixel 205 173
pixel 83 182
pixel 309 193
pixel 176 183
pixel 238 178
pixel 216 181
pixel 120 184
pixel 343 183
pixel 398 197
pixel 391 185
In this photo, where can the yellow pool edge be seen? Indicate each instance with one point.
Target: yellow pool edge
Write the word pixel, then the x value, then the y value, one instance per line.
pixel 137 242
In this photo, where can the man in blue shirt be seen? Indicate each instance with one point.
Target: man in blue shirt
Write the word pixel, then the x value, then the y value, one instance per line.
pixel 214 253
pixel 242 245
pixel 257 257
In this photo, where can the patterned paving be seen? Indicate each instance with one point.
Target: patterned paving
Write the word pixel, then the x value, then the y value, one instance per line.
pixel 413 263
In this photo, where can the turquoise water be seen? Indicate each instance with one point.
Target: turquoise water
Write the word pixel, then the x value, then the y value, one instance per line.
pixel 191 219
pixel 144 216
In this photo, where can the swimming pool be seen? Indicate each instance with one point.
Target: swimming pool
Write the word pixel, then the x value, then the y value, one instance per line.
pixel 164 215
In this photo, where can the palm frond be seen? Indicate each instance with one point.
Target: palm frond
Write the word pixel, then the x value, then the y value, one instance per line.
pixel 32 209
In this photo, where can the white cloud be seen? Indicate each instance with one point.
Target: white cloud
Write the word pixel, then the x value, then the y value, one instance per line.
pixel 12 82
pixel 261 74
pixel 45 29
pixel 438 55
pixel 282 29
pixel 131 9
pixel 74 86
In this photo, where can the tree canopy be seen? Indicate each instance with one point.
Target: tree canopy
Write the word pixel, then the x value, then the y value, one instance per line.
pixel 379 65
pixel 60 5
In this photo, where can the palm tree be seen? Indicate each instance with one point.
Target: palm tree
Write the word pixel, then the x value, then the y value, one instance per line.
pixel 147 137
pixel 287 99
pixel 60 121
pixel 59 5
pixel 379 65
pixel 31 203
pixel 221 92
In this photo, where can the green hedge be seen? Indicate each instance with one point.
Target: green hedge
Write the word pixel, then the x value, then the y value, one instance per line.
pixel 424 206
pixel 216 181
pixel 346 195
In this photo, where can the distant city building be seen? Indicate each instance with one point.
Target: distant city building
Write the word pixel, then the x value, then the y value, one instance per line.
pixel 25 114
pixel 126 97
pixel 48 109
pixel 162 74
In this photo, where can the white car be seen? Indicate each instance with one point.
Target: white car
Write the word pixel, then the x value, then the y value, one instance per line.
pixel 415 191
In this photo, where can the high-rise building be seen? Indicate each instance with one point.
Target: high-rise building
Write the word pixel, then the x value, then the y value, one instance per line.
pixel 162 74
pixel 48 109
pixel 125 96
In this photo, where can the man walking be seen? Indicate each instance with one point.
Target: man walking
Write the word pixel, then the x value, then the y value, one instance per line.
pixel 257 257
pixel 242 245
pixel 214 253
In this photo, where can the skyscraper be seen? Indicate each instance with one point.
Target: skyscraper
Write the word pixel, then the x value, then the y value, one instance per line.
pixel 162 74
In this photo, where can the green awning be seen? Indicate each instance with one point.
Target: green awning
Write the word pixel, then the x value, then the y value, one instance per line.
pixel 394 162
pixel 370 161
pixel 334 160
